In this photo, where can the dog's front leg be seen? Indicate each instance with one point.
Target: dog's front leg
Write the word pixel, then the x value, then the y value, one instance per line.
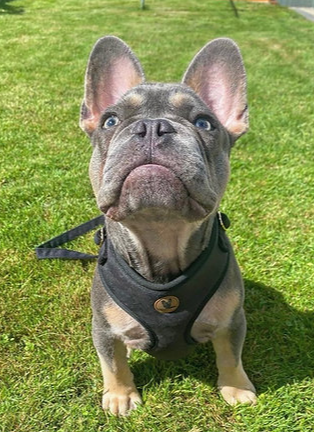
pixel 120 394
pixel 233 382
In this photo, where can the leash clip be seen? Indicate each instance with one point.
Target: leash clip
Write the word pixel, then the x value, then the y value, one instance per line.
pixel 100 236
pixel 223 220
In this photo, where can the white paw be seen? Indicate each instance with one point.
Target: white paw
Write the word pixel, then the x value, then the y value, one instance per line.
pixel 234 396
pixel 122 402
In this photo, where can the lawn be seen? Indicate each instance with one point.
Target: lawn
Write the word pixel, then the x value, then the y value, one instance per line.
pixel 49 371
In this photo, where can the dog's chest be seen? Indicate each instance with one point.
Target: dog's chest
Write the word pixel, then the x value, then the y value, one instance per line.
pixel 135 336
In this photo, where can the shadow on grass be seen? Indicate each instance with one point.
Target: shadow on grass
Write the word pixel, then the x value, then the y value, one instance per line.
pixel 7 8
pixel 279 347
pixel 280 338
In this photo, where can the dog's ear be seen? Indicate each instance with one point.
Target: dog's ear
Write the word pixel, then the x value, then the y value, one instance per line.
pixel 218 76
pixel 112 70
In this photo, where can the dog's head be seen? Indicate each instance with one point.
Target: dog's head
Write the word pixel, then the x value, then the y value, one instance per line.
pixel 162 148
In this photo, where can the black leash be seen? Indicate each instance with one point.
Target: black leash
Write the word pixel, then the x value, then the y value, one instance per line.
pixel 50 250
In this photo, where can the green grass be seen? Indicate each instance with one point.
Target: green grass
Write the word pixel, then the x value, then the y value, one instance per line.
pixel 50 377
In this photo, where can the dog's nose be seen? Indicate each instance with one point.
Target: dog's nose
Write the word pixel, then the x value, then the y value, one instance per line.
pixel 153 128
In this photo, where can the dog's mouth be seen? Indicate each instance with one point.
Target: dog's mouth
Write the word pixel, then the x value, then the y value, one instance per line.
pixel 154 187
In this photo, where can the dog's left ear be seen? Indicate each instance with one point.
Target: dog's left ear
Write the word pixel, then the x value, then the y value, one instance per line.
pixel 112 70
pixel 218 76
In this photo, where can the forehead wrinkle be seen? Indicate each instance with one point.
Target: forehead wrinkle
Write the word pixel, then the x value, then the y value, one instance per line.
pixel 154 100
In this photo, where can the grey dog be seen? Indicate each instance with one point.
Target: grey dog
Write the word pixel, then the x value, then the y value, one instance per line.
pixel 159 168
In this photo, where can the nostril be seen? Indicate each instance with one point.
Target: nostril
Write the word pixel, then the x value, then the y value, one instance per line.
pixel 154 127
pixel 140 129
pixel 164 127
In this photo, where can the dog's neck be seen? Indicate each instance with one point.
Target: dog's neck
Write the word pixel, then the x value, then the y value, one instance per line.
pixel 159 250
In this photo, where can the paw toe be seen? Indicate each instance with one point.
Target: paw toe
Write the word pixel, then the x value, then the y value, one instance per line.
pixel 234 396
pixel 121 404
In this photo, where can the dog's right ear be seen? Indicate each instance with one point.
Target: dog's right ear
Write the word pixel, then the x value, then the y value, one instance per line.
pixel 112 70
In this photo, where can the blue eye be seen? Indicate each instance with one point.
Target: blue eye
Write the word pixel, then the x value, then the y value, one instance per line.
pixel 111 121
pixel 202 123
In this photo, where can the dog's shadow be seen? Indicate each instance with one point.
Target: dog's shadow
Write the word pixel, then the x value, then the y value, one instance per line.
pixel 279 347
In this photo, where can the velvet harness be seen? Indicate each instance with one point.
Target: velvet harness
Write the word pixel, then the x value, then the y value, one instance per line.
pixel 167 311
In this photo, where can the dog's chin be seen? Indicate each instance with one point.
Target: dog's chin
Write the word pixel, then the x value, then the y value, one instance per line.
pixel 156 191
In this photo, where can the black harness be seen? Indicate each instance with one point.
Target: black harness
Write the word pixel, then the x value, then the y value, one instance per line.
pixel 167 311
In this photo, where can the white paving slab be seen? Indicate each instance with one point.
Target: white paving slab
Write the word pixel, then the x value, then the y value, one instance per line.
pixel 307 12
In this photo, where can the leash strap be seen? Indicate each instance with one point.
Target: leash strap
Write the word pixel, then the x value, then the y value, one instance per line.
pixel 50 250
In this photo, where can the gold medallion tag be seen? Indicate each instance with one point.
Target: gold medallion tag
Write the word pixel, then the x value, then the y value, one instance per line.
pixel 166 304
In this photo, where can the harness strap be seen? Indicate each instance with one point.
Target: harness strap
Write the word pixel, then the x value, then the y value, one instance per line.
pixel 167 310
pixel 50 250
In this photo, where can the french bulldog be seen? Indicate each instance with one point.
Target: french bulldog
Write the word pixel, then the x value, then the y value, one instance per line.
pixel 159 168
